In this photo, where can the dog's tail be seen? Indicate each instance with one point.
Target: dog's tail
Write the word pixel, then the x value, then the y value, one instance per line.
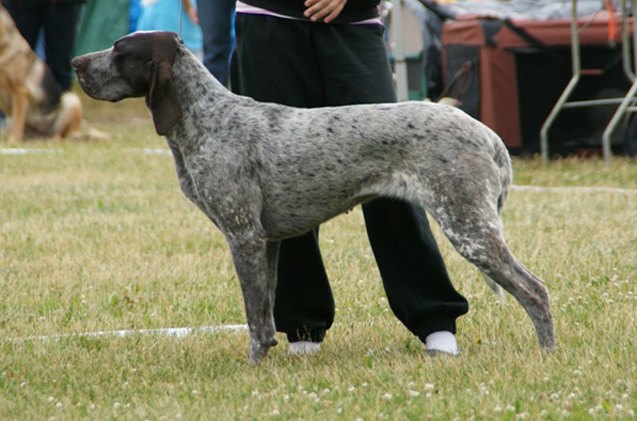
pixel 503 162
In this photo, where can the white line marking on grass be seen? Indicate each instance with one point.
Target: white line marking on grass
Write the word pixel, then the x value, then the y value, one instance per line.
pixel 22 151
pixel 27 151
pixel 156 151
pixel 573 189
pixel 177 332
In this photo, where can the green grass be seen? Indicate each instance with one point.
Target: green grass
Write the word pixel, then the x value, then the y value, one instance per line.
pixel 95 235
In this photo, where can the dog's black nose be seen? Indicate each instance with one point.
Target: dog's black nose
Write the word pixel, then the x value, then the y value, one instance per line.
pixel 79 63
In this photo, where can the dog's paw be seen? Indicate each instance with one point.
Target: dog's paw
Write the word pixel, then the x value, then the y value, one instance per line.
pixel 259 351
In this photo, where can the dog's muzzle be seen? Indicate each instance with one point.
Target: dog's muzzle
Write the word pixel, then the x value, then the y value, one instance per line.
pixel 80 64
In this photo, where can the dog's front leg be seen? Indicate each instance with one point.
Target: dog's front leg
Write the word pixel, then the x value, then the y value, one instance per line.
pixel 19 106
pixel 255 261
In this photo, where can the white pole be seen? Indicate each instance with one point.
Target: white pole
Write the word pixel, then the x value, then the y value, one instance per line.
pixel 400 64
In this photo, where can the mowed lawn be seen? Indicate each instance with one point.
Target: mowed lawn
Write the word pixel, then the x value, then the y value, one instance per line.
pixel 95 236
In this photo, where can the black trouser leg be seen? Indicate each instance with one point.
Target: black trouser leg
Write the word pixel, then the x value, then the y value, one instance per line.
pixel 59 38
pixel 59 24
pixel 215 18
pixel 304 306
pixel 28 16
pixel 306 65
pixel 414 275
pixel 272 64
pixel 418 287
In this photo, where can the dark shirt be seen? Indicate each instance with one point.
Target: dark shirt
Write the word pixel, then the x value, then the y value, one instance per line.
pixel 354 10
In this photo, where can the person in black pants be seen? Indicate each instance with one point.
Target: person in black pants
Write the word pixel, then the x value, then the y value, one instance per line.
pixel 283 56
pixel 58 20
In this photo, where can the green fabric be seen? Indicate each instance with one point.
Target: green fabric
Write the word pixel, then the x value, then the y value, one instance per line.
pixel 101 23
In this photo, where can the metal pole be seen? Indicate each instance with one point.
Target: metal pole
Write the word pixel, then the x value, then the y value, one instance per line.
pixel 626 17
pixel 400 64
pixel 630 95
pixel 627 54
pixel 576 65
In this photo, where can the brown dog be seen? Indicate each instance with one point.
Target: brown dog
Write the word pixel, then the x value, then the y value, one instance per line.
pixel 29 95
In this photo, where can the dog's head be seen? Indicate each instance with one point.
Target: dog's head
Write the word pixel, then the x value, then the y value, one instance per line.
pixel 137 65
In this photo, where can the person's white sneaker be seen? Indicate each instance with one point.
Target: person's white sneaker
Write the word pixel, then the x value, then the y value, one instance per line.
pixel 304 348
pixel 442 342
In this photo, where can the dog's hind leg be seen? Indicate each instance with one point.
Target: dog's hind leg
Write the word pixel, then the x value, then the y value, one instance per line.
pixel 476 232
pixel 272 260
pixel 255 260
pixel 507 271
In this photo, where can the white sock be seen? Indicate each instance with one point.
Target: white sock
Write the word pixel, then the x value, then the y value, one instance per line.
pixel 304 348
pixel 442 341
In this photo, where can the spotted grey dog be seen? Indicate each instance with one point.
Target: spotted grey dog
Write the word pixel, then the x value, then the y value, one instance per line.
pixel 265 172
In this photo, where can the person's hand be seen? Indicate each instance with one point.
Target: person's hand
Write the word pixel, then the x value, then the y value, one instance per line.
pixel 193 16
pixel 191 12
pixel 325 10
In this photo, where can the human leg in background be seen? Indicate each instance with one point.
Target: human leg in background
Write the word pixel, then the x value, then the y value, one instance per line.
pixel 345 64
pixel 418 287
pixel 59 22
pixel 28 16
pixel 216 18
pixel 59 37
pixel 414 275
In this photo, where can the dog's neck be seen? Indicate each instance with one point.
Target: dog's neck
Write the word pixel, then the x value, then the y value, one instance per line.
pixel 204 101
pixel 193 80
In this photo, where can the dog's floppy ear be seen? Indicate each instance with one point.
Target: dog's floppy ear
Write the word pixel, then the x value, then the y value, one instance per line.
pixel 162 98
